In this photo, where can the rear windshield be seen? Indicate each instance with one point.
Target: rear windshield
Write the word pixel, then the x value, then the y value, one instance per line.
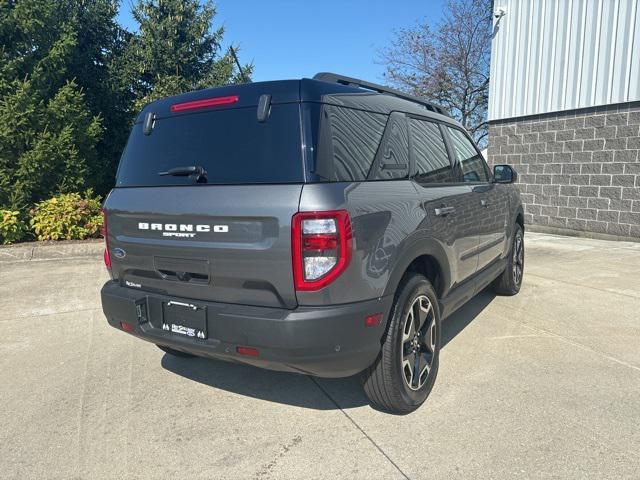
pixel 231 145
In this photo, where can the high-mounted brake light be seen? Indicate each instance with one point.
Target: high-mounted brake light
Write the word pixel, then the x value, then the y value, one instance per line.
pixel 321 243
pixel 105 235
pixel 204 103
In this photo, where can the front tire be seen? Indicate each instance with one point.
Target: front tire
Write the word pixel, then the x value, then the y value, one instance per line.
pixel 510 281
pixel 404 373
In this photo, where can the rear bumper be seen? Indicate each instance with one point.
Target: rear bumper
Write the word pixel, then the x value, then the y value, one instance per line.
pixel 322 341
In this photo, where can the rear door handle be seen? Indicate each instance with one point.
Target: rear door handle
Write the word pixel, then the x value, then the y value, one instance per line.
pixel 442 211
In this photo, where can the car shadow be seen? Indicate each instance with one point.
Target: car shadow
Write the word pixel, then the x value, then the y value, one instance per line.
pixel 296 389
pixel 280 387
pixel 462 317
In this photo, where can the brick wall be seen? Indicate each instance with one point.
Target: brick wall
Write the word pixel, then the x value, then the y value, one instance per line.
pixel 578 170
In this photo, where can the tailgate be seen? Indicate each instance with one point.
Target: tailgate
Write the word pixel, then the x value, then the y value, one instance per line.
pixel 229 243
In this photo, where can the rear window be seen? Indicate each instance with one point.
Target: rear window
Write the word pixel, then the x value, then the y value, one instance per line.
pixel 231 145
pixel 430 153
pixel 345 142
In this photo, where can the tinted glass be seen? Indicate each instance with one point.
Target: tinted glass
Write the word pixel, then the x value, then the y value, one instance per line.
pixel 392 159
pixel 474 168
pixel 430 153
pixel 231 145
pixel 347 142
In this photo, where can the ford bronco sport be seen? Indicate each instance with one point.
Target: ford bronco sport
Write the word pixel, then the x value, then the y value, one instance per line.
pixel 323 226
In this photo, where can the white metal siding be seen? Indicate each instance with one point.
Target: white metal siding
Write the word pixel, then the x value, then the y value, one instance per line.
pixel 553 55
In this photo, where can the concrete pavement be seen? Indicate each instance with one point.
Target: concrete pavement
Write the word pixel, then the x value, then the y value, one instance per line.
pixel 542 385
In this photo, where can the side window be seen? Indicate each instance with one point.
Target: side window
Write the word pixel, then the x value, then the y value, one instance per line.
pixel 392 159
pixel 474 168
pixel 430 153
pixel 348 140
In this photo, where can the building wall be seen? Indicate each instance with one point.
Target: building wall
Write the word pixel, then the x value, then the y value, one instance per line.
pixel 553 55
pixel 578 170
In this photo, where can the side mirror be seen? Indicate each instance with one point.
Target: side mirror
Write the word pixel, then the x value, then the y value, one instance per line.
pixel 504 174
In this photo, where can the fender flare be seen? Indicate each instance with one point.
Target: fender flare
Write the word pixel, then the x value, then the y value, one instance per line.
pixel 519 211
pixel 512 227
pixel 414 247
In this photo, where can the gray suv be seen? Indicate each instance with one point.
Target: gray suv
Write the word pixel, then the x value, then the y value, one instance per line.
pixel 322 226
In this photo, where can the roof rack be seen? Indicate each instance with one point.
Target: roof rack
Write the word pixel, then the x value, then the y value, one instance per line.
pixel 341 79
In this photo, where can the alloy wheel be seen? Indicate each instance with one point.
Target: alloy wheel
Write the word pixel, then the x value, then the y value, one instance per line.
pixel 518 259
pixel 418 342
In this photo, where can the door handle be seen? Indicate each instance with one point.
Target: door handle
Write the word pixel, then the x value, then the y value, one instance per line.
pixel 484 203
pixel 443 211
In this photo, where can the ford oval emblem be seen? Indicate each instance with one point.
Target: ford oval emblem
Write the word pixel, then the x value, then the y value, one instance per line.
pixel 119 253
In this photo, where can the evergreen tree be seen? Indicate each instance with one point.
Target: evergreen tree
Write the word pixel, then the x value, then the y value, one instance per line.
pixel 53 51
pixel 100 44
pixel 48 135
pixel 176 50
pixel 71 81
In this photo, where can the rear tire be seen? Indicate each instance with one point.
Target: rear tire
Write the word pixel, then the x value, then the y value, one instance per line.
pixel 403 375
pixel 175 353
pixel 510 281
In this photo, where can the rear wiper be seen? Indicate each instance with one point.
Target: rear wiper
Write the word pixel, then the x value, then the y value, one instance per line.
pixel 185 171
pixel 191 171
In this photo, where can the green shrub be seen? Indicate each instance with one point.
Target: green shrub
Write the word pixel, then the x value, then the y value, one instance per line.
pixel 12 228
pixel 69 216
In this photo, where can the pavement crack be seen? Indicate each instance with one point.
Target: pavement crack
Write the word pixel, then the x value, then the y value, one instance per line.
pixel 574 343
pixel 284 449
pixel 605 290
pixel 355 424
pixel 81 433
pixel 509 337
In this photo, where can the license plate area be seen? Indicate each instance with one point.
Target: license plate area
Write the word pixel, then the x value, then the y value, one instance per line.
pixel 185 319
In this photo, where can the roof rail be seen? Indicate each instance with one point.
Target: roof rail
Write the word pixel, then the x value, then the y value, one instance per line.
pixel 341 79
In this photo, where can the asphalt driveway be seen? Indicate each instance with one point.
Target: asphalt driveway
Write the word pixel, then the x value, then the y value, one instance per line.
pixel 542 385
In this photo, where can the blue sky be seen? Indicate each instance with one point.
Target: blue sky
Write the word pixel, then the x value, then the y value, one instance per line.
pixel 293 39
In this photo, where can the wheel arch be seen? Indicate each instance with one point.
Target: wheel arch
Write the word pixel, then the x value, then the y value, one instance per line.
pixel 520 218
pixel 427 257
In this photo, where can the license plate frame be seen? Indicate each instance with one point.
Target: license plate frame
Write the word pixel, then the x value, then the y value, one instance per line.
pixel 185 319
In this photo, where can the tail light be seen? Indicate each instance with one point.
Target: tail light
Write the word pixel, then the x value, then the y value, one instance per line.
pixel 105 235
pixel 321 243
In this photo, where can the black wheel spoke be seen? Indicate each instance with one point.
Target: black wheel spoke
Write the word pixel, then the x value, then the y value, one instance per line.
pixel 428 358
pixel 428 340
pixel 417 370
pixel 426 367
pixel 407 367
pixel 417 315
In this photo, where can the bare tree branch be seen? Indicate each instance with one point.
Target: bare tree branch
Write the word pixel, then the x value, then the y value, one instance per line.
pixel 450 65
